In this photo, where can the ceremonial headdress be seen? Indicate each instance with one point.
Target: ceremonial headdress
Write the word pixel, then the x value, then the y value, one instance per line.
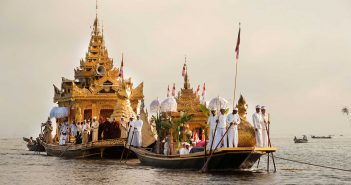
pixel 263 107
pixel 258 107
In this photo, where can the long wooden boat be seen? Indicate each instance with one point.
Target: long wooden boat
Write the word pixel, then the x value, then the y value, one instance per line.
pixel 321 137
pixel 34 145
pixel 223 159
pixel 103 148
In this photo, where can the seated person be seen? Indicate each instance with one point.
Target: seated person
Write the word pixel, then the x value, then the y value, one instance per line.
pixel 184 149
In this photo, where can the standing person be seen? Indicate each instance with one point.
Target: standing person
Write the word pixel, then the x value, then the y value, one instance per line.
pixel 265 126
pixel 47 131
pixel 257 122
pixel 107 129
pixel 212 123
pixel 131 129
pixel 86 130
pixel 74 131
pixel 114 129
pixel 64 130
pixel 101 127
pixel 233 121
pixel 79 133
pixel 123 127
pixel 137 140
pixel 222 123
pixel 95 129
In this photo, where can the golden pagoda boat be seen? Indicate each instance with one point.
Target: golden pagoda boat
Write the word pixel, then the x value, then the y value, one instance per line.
pixel 189 102
pixel 98 90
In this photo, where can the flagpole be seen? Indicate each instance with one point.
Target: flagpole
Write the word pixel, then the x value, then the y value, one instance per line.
pixel 236 64
pixel 236 75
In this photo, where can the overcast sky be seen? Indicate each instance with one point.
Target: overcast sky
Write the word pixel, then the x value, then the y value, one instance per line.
pixel 295 56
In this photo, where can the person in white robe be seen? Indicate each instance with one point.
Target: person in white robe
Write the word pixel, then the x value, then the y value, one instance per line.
pixel 221 128
pixel 233 120
pixel 184 150
pixel 86 130
pixel 265 126
pixel 257 122
pixel 130 130
pixel 212 124
pixel 95 129
pixel 138 124
pixel 64 130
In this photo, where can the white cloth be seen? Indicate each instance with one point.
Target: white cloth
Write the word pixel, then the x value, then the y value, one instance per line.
pixel 74 130
pixel 257 122
pixel 130 132
pixel 222 121
pixel 138 124
pixel 80 128
pixel 183 151
pixel 165 148
pixel 64 130
pixel 264 130
pixel 233 137
pixel 212 123
pixel 95 129
pixel 86 127
pixel 219 134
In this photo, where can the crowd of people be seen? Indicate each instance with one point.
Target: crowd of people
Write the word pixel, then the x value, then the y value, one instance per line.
pixel 219 124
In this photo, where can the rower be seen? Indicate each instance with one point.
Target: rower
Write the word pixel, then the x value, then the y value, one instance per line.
pixel 138 124
pixel 257 122
pixel 233 120
pixel 130 130
pixel 212 124
pixel 221 127
pixel 95 129
pixel 265 126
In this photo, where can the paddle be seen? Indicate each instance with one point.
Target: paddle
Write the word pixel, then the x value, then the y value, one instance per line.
pixel 131 141
pixel 124 148
pixel 204 168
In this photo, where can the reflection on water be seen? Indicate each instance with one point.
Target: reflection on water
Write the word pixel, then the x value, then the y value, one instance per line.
pixel 19 166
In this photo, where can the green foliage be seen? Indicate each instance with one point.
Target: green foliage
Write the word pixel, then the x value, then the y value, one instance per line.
pixel 205 110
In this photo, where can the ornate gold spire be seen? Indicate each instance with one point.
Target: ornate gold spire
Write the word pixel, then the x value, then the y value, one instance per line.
pixel 186 78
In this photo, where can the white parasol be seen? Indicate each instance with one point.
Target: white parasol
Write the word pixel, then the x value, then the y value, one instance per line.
pixel 169 105
pixel 59 112
pixel 155 106
pixel 218 103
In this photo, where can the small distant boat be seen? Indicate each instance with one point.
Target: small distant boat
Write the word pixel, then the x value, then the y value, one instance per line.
pixel 103 148
pixel 34 145
pixel 301 140
pixel 223 159
pixel 321 137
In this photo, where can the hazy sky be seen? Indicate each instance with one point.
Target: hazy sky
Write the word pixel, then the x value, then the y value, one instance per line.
pixel 295 56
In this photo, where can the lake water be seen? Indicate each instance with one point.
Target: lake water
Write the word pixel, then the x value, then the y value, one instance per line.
pixel 19 166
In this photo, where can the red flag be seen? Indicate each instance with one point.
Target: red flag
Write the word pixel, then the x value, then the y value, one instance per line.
pixel 168 91
pixel 184 70
pixel 198 91
pixel 204 90
pixel 173 90
pixel 121 71
pixel 237 45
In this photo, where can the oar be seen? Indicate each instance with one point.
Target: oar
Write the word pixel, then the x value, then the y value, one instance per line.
pixel 131 141
pixel 204 168
pixel 270 145
pixel 125 144
pixel 213 136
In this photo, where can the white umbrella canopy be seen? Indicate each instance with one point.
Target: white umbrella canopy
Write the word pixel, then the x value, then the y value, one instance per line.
pixel 218 103
pixel 155 106
pixel 169 105
pixel 59 112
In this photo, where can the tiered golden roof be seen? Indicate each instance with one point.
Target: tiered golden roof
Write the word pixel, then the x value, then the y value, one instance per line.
pixel 188 102
pixel 94 90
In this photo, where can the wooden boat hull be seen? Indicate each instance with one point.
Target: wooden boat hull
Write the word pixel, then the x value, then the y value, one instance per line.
pixel 227 159
pixel 300 141
pixel 105 148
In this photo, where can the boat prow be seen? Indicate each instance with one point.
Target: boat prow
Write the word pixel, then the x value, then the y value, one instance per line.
pixel 223 159
pixel 111 147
